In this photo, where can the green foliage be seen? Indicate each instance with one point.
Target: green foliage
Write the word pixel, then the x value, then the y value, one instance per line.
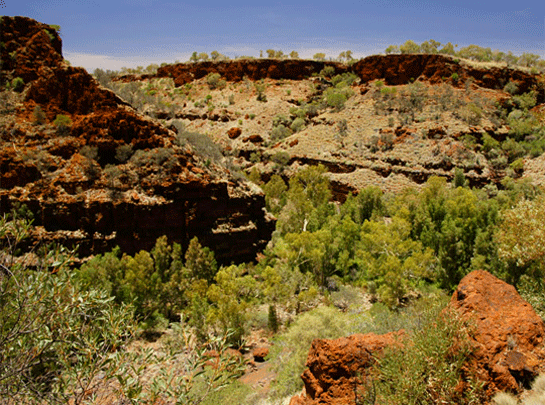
pixel 290 350
pixel 455 223
pixel 428 369
pixel 63 124
pixel 18 84
pixel 229 299
pixel 327 71
pixel 56 338
pixel 521 239
pixel 158 283
pixel 392 261
pixel 200 261
pixel 297 125
pixel 307 195
pixel 275 196
pixel 272 319
pixel 319 56
pixel 214 81
pixel 260 90
pixel 409 47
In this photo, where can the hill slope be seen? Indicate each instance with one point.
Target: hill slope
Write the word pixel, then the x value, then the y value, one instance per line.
pixel 95 172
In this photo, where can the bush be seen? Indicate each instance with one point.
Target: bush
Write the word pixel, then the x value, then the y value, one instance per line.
pixel 280 132
pixel 39 115
pixel 57 338
pixel 297 125
pixel 428 368
pixel 18 84
pixel 327 71
pixel 63 124
pixel 123 153
pixel 90 152
pixel 214 81
pixel 290 350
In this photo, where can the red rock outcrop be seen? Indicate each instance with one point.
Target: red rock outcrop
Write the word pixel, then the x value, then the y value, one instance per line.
pixel 253 69
pixel 393 69
pixel 96 199
pixel 508 334
pixel 336 367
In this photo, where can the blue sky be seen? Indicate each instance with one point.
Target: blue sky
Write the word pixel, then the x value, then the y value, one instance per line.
pixel 115 33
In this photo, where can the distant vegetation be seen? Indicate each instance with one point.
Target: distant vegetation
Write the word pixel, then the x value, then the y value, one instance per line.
pixel 471 52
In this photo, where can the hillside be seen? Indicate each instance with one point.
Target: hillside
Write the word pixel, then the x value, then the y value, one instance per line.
pixel 391 121
pixel 96 173
pixel 237 220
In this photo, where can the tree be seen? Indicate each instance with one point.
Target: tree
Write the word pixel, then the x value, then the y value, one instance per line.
pixel 203 56
pixel 319 56
pixel 409 47
pixel 448 49
pixel 200 261
pixel 63 124
pixel 271 53
pixel 306 201
pixel 430 46
pixel 294 55
pixel 194 57
pixel 521 239
pixel 392 49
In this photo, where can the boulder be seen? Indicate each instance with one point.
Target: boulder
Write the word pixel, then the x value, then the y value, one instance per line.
pixel 260 353
pixel 234 133
pixel 508 334
pixel 336 366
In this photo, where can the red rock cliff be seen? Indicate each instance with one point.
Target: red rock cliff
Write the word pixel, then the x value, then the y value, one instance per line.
pixel 81 192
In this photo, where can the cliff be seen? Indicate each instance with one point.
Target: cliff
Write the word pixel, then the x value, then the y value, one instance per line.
pixel 96 173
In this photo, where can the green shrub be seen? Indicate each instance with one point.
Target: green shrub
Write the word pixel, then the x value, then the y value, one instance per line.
pixel 63 124
pixel 18 84
pixel 428 368
pixel 90 152
pixel 511 88
pixel 123 153
pixel 290 350
pixel 281 158
pixel 335 99
pixel 327 71
pixel 58 339
pixel 272 319
pixel 297 125
pixel 280 132
pixel 214 81
pixel 260 90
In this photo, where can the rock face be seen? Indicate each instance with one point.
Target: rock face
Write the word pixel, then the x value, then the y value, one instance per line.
pixel 112 176
pixel 334 367
pixel 508 338
pixel 508 334
pixel 393 69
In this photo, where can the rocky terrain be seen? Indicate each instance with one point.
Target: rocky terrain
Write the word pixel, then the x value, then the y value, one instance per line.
pixel 96 173
pixel 406 117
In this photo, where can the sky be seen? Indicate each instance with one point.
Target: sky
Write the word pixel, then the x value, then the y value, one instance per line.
pixel 116 33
